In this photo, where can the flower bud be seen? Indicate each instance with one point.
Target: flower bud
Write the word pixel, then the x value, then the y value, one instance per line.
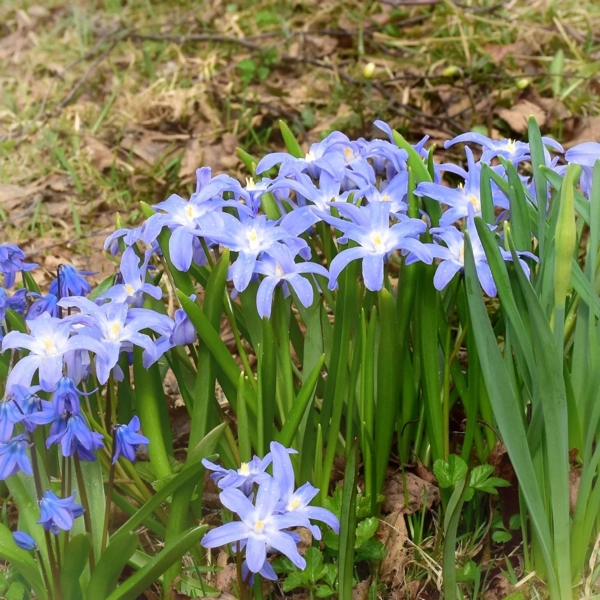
pixel 369 70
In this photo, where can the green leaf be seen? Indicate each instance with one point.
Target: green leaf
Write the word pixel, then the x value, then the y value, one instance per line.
pixel 324 591
pixel 366 530
pixel 75 559
pixel 467 572
pixel 501 536
pixel 372 550
pixel 293 581
pixel 22 562
pixel 145 511
pixel 306 393
pixel 348 525
pixel 94 486
pixel 16 591
pixel 137 583
pixel 507 410
pixel 291 143
pixel 110 566
pixel 449 473
pixel 102 287
pixel 314 569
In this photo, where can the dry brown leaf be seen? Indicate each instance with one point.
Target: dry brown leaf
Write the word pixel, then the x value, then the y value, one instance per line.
pixel 12 195
pixel 518 116
pixel 393 535
pixel 418 492
pixel 588 130
pixel 361 590
pixel 224 579
pixel 100 156
pixel 144 146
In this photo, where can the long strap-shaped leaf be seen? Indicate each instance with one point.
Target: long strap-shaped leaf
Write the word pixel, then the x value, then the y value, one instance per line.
pixel 137 583
pixel 507 412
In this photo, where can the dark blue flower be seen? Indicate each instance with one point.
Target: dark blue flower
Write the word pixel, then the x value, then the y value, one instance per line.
pixel 16 302
pixel 72 433
pixel 72 282
pixel 57 513
pixel 11 262
pixel 24 540
pixel 127 440
pixel 44 304
pixel 14 458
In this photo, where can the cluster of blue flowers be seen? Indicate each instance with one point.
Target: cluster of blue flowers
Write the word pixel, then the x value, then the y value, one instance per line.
pixel 360 188
pixel 69 339
pixel 263 525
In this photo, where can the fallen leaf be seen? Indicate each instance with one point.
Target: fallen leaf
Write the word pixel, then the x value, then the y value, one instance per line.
pixel 418 492
pixel 144 147
pixel 588 130
pixel 100 156
pixel 361 590
pixel 393 535
pixel 517 117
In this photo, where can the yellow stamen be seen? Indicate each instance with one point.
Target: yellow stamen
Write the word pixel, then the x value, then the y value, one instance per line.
pixel 293 505
pixel 378 242
pixel 244 469
pixel 259 526
pixel 129 289
pixel 250 185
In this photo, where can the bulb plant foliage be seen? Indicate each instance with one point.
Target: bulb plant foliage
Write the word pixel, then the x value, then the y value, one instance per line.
pixel 352 278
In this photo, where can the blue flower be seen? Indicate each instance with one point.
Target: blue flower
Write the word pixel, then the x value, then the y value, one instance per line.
pixel 278 266
pixel 11 262
pixel 65 398
pixel 133 286
pixel 297 502
pixel 50 339
pixel 70 282
pixel 10 415
pixel 461 198
pixel 13 457
pixel 370 228
pixel 57 513
pixel 44 304
pixel 244 477
pixel 511 150
pixel 259 527
pixel 249 237
pixel 16 302
pixel 127 236
pixel 186 218
pixel 183 332
pixel 116 327
pixel 127 440
pixel 24 540
pixel 72 433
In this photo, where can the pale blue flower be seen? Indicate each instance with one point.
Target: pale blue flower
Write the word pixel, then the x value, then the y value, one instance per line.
pixel 259 527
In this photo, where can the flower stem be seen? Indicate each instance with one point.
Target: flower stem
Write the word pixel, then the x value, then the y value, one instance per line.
pixel 109 493
pixel 38 489
pixel 85 503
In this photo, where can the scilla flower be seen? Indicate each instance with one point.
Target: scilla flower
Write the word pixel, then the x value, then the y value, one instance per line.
pixel 57 513
pixel 14 458
pixel 128 439
pixel 24 541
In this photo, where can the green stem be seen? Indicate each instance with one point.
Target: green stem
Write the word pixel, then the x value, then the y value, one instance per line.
pixel 87 518
pixel 109 494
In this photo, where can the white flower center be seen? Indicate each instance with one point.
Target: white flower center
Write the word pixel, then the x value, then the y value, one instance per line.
pixel 190 213
pixel 511 146
pixel 377 240
pixel 259 526
pixel 250 185
pixel 293 505
pixel 129 289
pixel 474 200
pixel 114 331
pixel 253 239
pixel 348 154
pixel 278 271
pixel 244 469
pixel 385 198
pixel 309 157
pixel 49 345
